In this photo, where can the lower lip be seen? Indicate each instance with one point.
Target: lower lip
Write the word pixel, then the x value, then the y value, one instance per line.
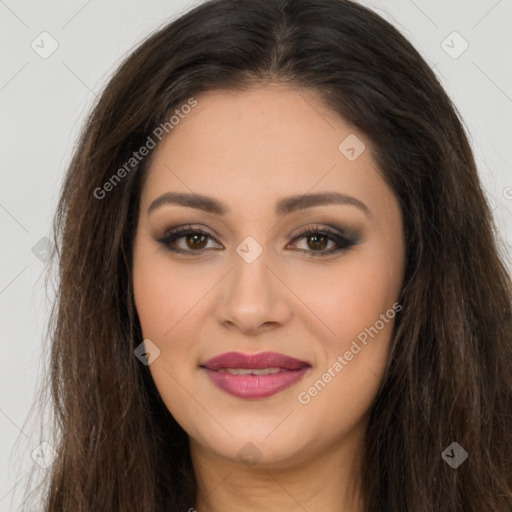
pixel 255 386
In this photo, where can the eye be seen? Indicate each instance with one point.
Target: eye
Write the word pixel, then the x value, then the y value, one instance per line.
pixel 195 240
pixel 317 239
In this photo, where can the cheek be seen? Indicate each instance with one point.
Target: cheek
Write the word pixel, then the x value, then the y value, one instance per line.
pixel 168 303
pixel 166 295
pixel 355 312
pixel 356 301
pixel 350 297
pixel 151 297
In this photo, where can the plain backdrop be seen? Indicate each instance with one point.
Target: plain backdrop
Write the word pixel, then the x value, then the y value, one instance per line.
pixel 45 97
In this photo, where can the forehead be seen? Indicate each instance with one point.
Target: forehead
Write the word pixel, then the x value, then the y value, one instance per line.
pixel 259 144
pixel 236 124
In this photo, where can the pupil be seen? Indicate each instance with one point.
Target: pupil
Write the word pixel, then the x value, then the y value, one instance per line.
pixel 315 243
pixel 193 239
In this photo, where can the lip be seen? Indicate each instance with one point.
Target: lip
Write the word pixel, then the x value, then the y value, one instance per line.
pixel 257 361
pixel 254 386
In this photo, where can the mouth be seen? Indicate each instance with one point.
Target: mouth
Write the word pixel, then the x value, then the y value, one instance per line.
pixel 252 376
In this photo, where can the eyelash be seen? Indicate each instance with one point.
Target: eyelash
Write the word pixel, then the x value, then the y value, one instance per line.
pixel 343 240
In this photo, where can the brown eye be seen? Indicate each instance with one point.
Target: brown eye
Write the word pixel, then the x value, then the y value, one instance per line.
pixel 196 241
pixel 317 242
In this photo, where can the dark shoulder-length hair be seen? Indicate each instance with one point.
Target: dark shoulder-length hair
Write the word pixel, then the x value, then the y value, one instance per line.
pixel 448 377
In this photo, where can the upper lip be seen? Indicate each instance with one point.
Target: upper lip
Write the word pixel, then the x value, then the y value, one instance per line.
pixel 256 361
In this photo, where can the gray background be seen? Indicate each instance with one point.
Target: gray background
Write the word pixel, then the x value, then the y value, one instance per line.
pixel 44 101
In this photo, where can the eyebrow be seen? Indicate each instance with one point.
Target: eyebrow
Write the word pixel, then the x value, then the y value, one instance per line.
pixel 284 206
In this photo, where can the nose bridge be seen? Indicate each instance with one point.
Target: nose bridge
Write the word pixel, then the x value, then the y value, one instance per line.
pixel 251 277
pixel 252 296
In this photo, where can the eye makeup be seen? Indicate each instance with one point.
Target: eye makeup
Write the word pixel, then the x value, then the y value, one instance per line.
pixel 316 237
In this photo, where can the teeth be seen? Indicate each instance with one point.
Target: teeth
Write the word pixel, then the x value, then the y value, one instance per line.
pixel 253 371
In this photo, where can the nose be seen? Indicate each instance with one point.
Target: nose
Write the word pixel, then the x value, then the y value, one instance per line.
pixel 253 297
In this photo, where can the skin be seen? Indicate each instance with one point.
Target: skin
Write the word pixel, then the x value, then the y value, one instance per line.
pixel 248 150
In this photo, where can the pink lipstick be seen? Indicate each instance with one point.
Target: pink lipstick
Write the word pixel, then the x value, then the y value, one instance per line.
pixel 254 375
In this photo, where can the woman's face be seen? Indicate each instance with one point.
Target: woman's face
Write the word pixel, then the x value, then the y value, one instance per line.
pixel 248 172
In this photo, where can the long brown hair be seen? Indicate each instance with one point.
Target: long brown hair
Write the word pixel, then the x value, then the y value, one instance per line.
pixel 448 377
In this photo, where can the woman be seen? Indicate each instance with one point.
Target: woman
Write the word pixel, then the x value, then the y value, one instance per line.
pixel 280 287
